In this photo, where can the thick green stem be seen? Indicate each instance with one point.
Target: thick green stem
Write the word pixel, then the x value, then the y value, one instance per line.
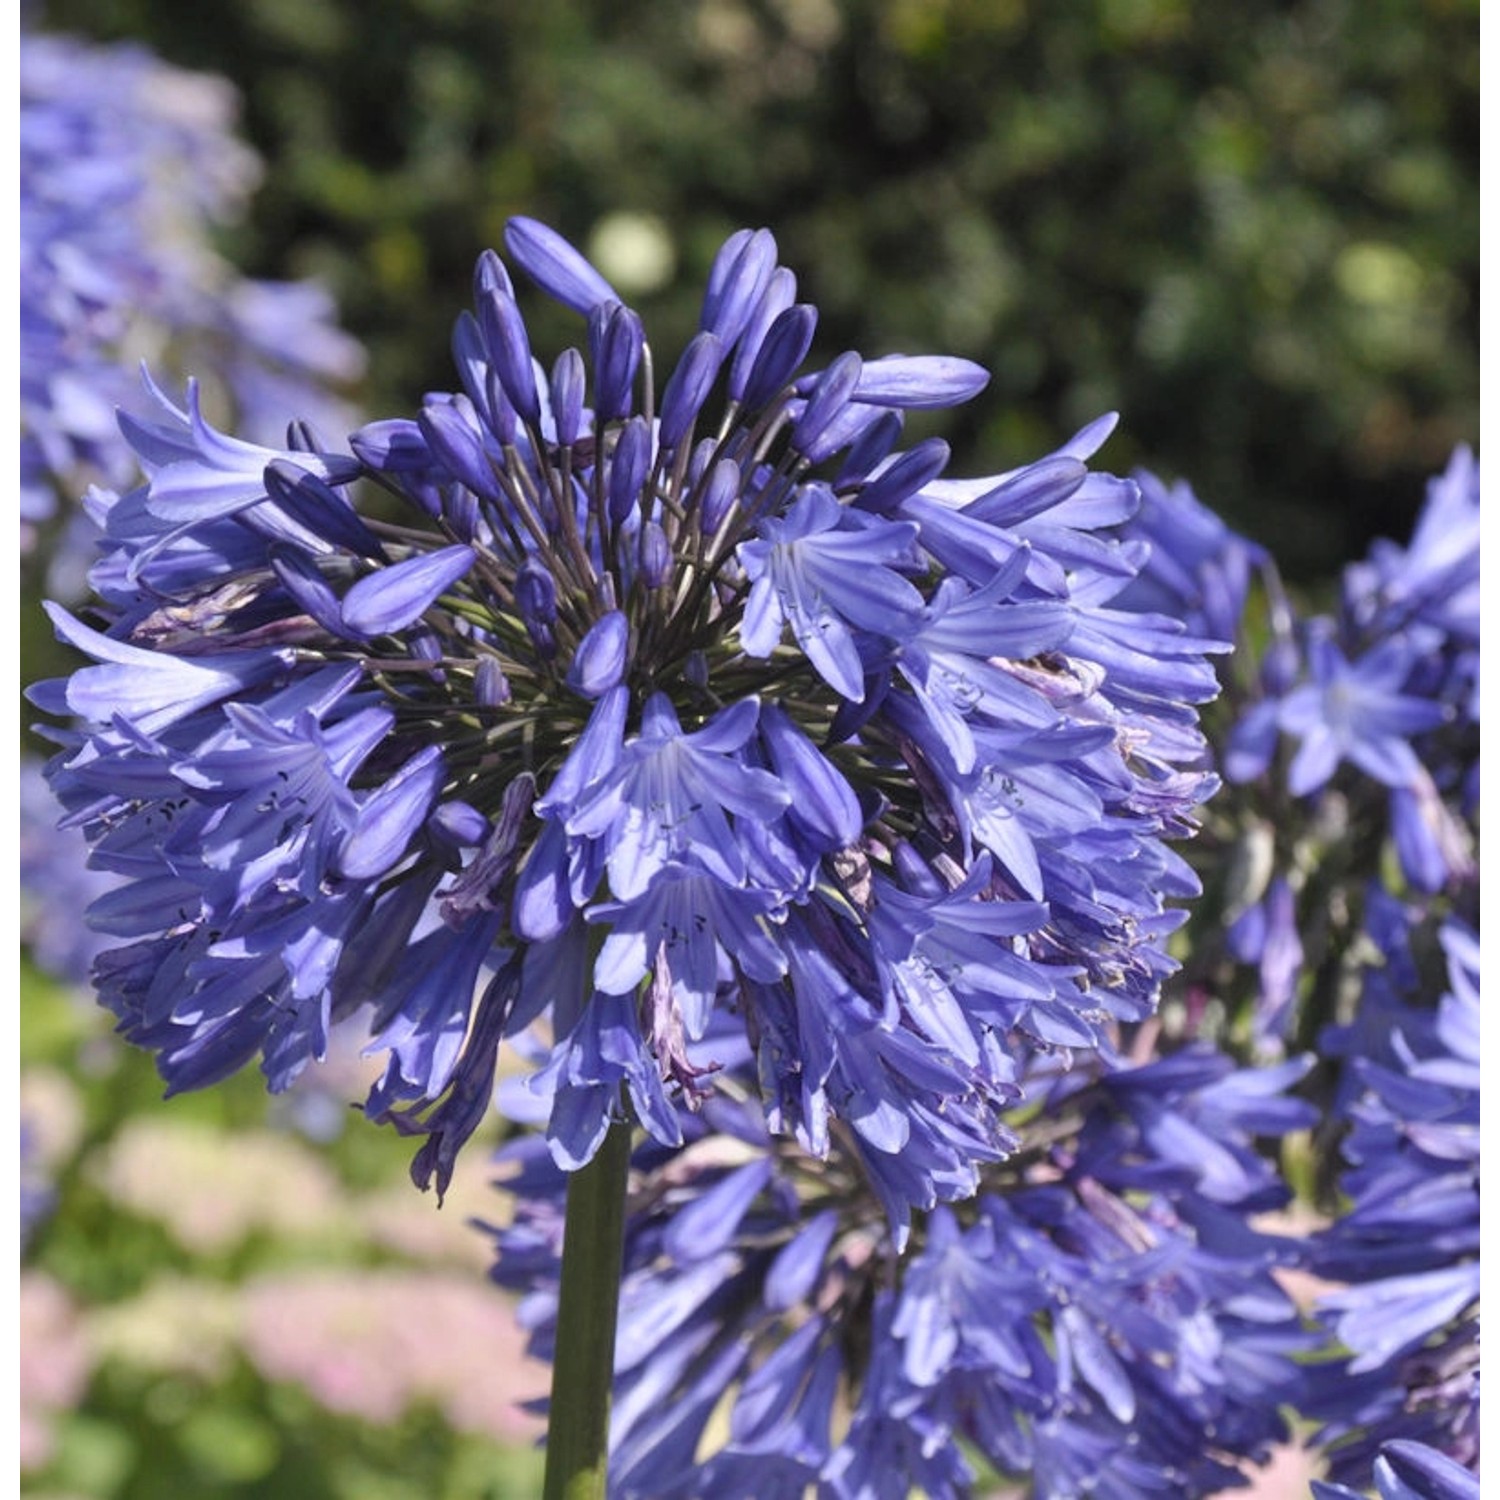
pixel 583 1366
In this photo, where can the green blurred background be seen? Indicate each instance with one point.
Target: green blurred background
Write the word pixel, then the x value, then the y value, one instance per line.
pixel 1251 228
pixel 229 1298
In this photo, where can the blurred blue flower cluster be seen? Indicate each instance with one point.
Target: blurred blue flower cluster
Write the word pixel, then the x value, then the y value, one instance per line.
pixel 1389 685
pixel 129 169
pixel 1407 1249
pixel 1345 887
pixel 129 172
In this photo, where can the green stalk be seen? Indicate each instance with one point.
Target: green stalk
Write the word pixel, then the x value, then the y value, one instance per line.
pixel 589 1300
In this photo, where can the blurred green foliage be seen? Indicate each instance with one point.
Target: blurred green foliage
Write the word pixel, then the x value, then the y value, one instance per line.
pixel 1253 229
pixel 152 1362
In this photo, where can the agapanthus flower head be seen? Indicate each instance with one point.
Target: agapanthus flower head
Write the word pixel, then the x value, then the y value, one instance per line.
pixel 700 700
pixel 1406 1252
pixel 1102 1319
pixel 1387 686
pixel 1349 744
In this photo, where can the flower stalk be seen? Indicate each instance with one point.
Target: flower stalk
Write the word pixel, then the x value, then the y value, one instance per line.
pixel 589 1298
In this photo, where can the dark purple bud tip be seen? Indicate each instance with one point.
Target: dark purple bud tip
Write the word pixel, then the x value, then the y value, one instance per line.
pixel 457 444
pixel 505 340
pixel 779 294
pixel 1036 488
pixel 830 395
pixel 627 470
pixel 656 556
pixel 491 685
pixel 736 281
pixel 536 593
pixel 302 438
pixel 786 345
pixel 870 448
pixel 479 380
pixel 915 468
pixel 719 495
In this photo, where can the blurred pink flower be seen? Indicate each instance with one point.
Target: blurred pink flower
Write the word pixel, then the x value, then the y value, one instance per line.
pixel 374 1344
pixel 56 1362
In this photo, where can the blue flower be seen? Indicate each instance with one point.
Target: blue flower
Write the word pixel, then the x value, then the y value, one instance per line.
pixel 1357 712
pixel 618 720
pixel 668 798
pixel 1102 1319
pixel 827 578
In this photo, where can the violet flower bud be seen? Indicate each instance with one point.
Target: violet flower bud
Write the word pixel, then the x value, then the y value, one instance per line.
pixel 567 396
pixel 599 663
pixel 628 468
pixel 688 387
pixel 560 270
pixel 616 339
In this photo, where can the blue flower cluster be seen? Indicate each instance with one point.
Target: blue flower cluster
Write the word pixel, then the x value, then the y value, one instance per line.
pixel 1102 1319
pixel 812 811
pixel 1107 1316
pixel 1407 1250
pixel 571 697
pixel 1348 742
pixel 1346 884
pixel 127 167
pixel 1389 686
